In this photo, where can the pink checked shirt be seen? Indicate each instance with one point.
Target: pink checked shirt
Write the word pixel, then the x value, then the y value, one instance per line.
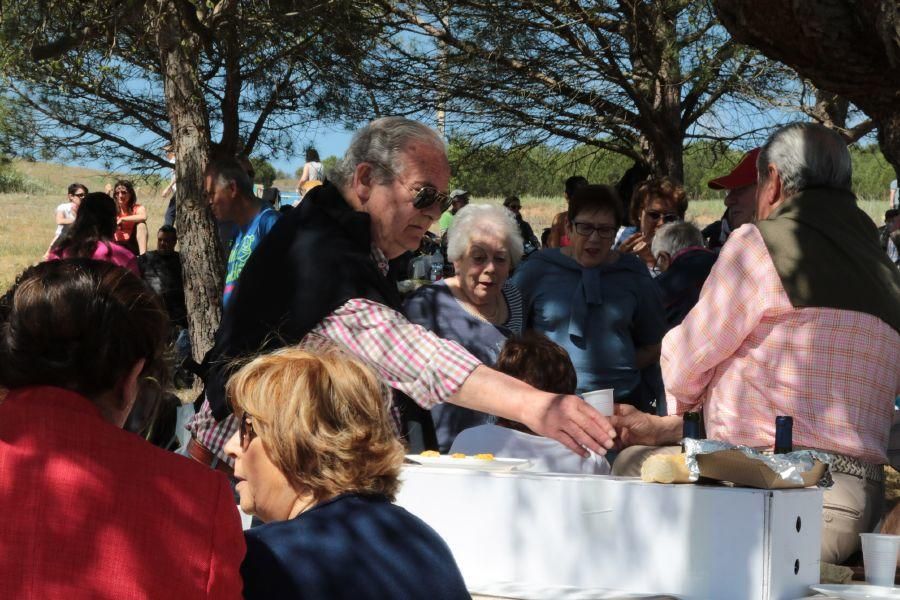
pixel 405 356
pixel 747 355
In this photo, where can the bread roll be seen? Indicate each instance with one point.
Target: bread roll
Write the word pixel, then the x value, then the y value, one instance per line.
pixel 665 468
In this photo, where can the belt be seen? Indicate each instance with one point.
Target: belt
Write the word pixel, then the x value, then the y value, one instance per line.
pixel 857 468
pixel 203 455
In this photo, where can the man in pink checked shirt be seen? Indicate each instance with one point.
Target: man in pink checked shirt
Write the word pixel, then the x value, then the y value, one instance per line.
pixel 799 316
pixel 322 272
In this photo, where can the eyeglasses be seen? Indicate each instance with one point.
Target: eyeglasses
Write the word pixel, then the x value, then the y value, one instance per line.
pixel 246 431
pixel 424 196
pixel 666 217
pixel 80 195
pixel 587 229
pixel 514 207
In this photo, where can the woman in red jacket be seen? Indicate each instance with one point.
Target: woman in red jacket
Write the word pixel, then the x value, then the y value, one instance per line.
pixel 90 510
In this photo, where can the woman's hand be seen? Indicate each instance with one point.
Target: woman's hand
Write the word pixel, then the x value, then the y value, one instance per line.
pixel 636 244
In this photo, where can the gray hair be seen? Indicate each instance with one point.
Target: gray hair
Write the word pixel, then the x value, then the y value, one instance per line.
pixel 806 155
pixel 672 238
pixel 228 170
pixel 484 218
pixel 380 144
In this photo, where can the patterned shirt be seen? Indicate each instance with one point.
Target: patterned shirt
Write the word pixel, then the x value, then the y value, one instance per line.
pixel 747 355
pixel 405 356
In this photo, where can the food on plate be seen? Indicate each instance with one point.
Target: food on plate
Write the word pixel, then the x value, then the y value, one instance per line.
pixel 485 456
pixel 665 468
pixel 430 453
pixel 457 455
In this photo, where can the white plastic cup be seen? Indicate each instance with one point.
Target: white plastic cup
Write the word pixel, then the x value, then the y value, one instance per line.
pixel 880 557
pixel 602 400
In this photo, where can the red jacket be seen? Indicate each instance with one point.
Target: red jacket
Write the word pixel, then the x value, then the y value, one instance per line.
pixel 88 510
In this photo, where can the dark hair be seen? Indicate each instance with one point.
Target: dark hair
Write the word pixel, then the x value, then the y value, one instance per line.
pixel 79 324
pixel 591 198
pixel 538 361
pixel 229 169
pixel 167 229
pixel 573 183
pixel 510 199
pixel 75 187
pixel 667 188
pixel 94 223
pixel 635 174
pixel 891 213
pixel 312 155
pixel 132 196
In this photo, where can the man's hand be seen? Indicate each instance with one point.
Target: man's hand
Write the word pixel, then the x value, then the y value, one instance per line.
pixel 572 422
pixel 637 428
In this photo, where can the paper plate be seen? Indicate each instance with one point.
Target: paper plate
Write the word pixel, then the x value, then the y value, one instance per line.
pixel 856 591
pixel 470 462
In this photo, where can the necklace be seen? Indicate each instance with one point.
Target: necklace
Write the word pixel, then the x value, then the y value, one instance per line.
pixel 491 316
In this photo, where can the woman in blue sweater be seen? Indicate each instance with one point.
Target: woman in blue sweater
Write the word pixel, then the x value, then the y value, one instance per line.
pixel 317 460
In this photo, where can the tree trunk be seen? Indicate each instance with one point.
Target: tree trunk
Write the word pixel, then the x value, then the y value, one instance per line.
pixel 201 254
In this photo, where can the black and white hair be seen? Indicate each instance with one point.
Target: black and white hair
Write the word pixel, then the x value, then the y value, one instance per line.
pixel 380 143
pixel 484 218
pixel 806 155
pixel 672 238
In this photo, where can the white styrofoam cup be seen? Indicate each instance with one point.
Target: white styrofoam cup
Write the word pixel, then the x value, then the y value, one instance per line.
pixel 880 557
pixel 602 400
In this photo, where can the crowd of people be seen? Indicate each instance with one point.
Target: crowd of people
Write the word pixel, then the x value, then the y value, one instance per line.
pixel 322 374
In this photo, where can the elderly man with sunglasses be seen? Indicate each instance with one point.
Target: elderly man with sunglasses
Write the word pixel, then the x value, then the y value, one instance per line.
pixel 322 272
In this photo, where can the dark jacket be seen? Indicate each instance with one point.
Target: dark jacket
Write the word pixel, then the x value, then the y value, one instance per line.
pixel 354 547
pixel 315 259
pixel 681 283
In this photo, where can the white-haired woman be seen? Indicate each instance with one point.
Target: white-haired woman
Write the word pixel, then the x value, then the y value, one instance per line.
pixel 478 307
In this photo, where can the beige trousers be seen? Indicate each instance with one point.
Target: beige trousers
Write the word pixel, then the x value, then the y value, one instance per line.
pixel 852 506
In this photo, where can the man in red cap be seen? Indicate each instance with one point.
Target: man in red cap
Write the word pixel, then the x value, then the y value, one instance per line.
pixel 740 202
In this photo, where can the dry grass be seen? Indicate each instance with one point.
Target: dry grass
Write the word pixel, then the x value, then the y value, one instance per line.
pixel 28 220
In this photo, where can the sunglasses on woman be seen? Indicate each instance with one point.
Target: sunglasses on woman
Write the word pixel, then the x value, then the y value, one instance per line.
pixel 666 217
pixel 247 432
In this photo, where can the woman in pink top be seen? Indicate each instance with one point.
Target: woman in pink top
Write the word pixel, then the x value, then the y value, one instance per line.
pixel 91 235
pixel 131 222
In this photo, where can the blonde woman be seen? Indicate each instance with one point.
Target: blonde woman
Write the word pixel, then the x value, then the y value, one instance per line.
pixel 317 460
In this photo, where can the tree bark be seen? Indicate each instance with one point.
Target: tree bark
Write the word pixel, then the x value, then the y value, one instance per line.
pixel 848 47
pixel 201 254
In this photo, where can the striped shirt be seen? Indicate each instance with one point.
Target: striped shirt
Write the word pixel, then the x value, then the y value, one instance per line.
pixel 747 355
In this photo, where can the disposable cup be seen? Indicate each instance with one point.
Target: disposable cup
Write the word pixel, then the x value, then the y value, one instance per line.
pixel 602 400
pixel 880 557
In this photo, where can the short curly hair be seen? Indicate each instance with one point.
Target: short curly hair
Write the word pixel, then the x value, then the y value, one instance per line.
pixel 665 188
pixel 322 420
pixel 484 218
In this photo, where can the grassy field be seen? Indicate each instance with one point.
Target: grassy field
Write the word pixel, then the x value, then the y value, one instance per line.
pixel 28 220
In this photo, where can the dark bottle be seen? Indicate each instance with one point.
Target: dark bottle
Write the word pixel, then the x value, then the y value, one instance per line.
pixel 690 427
pixel 784 434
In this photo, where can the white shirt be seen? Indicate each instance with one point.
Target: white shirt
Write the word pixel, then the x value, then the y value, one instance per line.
pixel 68 211
pixel 546 455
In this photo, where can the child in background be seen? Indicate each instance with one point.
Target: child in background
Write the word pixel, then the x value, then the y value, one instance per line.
pixel 536 360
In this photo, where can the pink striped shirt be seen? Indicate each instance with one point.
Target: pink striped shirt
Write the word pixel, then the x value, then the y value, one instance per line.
pixel 405 356
pixel 746 354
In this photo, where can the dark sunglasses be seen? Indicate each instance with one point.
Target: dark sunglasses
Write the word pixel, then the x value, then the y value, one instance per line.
pixel 514 207
pixel 666 217
pixel 587 229
pixel 247 432
pixel 427 195
pixel 80 195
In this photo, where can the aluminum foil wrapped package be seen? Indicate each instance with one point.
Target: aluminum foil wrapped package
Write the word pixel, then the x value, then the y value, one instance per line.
pixel 793 469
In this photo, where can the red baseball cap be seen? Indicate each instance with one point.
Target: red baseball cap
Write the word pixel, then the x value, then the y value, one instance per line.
pixel 744 174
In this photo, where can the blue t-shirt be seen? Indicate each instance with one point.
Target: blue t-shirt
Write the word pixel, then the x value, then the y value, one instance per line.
pixel 243 244
pixel 599 315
